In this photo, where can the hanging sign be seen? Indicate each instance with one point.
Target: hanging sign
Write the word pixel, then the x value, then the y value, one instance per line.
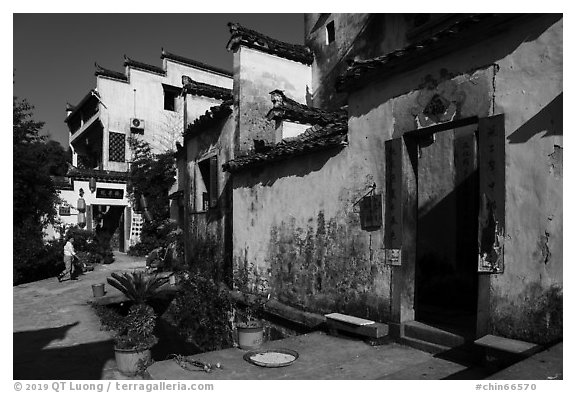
pixel 109 193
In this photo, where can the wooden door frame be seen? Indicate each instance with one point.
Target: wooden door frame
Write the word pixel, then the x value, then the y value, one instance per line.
pixel 403 276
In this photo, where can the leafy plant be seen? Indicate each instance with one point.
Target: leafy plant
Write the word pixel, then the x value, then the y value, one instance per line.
pixel 256 291
pixel 138 332
pixel 203 312
pixel 137 286
pixel 151 176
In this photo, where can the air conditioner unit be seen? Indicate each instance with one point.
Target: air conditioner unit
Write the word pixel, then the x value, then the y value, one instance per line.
pixel 137 124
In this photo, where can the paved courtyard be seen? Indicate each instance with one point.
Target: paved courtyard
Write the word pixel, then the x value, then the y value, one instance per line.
pixel 56 333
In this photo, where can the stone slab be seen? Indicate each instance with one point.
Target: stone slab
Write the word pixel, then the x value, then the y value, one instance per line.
pixel 374 330
pixel 506 344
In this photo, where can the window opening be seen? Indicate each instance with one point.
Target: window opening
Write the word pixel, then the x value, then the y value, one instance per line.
pixel 169 100
pixel 208 185
pixel 330 32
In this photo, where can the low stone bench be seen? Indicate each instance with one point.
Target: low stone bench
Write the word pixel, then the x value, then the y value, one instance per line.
pixel 362 327
pixel 500 351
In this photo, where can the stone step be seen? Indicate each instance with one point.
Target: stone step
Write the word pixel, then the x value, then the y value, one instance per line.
pixel 423 345
pixel 420 331
pixel 511 346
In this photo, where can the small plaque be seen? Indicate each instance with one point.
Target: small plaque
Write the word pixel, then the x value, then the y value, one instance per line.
pixel 110 193
pixel 394 256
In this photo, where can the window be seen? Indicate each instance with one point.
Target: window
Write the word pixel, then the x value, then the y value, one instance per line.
pixel 171 94
pixel 330 32
pixel 117 147
pixel 207 184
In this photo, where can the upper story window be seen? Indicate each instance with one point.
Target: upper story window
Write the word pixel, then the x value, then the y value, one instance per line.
pixel 117 147
pixel 330 32
pixel 171 94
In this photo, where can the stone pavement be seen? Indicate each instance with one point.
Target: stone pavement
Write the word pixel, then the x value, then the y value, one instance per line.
pixel 56 333
pixel 57 336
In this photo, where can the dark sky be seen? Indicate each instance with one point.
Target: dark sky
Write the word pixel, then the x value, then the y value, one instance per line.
pixel 54 54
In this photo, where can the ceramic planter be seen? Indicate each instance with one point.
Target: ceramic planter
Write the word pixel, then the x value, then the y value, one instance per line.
pixel 128 361
pixel 251 335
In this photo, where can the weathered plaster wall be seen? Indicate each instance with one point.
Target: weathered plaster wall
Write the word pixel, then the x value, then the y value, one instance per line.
pixel 256 75
pixel 295 224
pixel 527 298
pixel 175 70
pixel 356 36
pixel 518 74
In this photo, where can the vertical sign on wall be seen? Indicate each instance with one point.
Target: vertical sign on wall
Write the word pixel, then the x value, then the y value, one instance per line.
pixel 491 168
pixel 393 209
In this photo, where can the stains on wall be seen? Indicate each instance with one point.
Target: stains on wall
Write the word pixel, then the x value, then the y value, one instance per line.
pixel 556 162
pixel 534 315
pixel 326 267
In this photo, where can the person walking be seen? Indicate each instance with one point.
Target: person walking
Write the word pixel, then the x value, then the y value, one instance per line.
pixel 69 255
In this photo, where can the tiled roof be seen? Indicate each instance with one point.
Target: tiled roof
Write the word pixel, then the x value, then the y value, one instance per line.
pixel 359 72
pixel 143 66
pixel 287 108
pixel 314 139
pixel 101 71
pixel 62 183
pixel 204 89
pixel 211 117
pixel 252 39
pixel 100 175
pixel 193 63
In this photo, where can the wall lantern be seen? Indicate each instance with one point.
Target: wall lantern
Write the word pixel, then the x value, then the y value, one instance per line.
pixel 92 185
pixel 81 220
pixel 81 206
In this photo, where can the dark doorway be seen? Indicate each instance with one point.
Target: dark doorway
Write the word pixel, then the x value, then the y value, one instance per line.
pixel 447 230
pixel 107 222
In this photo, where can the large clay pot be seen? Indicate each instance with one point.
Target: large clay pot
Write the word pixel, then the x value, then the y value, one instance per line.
pixel 250 336
pixel 128 361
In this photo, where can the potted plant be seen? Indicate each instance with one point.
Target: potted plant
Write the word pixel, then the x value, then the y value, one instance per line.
pixel 135 334
pixel 248 323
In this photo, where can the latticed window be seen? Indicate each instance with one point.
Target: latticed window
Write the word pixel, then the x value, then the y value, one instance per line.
pixel 117 147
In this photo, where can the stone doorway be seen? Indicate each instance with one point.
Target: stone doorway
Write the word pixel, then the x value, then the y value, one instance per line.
pixel 446 278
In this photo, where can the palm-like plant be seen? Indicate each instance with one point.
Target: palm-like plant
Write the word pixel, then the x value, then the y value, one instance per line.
pixel 137 286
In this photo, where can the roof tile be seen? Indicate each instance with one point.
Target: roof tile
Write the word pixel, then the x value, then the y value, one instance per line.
pixel 252 39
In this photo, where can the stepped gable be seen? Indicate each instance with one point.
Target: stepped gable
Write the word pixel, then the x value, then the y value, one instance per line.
pixel 285 108
pixel 101 71
pixel 209 119
pixel 191 86
pixel 252 39
pixel 360 72
pixel 193 63
pixel 143 66
pixel 316 138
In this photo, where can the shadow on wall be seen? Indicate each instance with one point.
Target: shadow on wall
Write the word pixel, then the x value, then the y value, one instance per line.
pixel 298 166
pixel 461 61
pixel 32 360
pixel 548 120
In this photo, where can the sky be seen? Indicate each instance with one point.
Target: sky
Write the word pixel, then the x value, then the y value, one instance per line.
pixel 54 54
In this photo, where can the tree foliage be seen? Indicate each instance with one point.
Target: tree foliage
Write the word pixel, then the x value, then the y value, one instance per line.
pixel 35 197
pixel 151 176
